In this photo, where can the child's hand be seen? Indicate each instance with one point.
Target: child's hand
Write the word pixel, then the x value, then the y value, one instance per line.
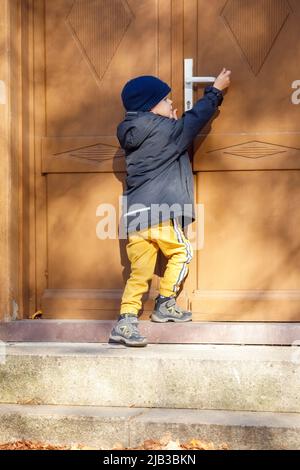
pixel 173 114
pixel 223 80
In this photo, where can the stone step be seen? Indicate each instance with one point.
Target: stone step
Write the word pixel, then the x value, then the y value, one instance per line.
pixel 215 377
pixel 97 331
pixel 103 428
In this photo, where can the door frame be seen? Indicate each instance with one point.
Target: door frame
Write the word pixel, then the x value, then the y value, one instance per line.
pixel 13 131
pixel 17 299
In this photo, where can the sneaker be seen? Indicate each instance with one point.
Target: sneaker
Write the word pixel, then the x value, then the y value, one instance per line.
pixel 126 332
pixel 168 310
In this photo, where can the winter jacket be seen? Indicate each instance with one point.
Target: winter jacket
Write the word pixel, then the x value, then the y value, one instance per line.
pixel 159 182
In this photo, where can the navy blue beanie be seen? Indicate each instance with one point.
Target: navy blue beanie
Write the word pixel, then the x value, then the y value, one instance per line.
pixel 143 93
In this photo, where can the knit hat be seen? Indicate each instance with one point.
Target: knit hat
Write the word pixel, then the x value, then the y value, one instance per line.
pixel 143 93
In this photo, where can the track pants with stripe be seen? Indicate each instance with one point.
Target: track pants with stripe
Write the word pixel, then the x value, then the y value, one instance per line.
pixel 142 249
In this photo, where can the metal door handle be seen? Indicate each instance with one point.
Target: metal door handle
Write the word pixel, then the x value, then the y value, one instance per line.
pixel 188 83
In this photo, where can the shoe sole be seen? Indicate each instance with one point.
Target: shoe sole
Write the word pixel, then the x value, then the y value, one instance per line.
pixel 157 319
pixel 121 340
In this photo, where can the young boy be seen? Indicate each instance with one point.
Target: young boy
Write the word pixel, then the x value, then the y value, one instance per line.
pixel 159 195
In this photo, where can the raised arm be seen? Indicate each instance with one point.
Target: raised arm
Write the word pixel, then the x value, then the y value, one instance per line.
pixel 193 121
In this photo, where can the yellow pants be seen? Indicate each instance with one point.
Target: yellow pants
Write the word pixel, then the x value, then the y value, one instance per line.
pixel 142 249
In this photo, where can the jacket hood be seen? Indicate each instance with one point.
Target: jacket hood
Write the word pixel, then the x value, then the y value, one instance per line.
pixel 135 128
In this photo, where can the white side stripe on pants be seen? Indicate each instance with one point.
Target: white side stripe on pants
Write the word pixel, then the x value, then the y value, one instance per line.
pixel 184 268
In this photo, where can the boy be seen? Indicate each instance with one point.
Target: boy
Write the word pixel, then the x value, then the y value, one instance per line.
pixel 159 176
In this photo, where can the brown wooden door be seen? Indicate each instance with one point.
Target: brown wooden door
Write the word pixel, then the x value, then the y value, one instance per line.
pixel 247 167
pixel 83 52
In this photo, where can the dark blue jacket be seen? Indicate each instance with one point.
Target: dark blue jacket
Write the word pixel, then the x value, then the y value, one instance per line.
pixel 159 183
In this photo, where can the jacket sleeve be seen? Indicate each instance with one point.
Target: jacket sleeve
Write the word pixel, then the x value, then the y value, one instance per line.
pixel 192 121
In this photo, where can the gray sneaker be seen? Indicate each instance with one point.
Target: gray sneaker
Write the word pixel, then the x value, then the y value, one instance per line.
pixel 126 332
pixel 169 311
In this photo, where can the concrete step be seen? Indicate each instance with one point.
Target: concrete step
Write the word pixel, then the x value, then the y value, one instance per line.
pixel 204 377
pixel 103 428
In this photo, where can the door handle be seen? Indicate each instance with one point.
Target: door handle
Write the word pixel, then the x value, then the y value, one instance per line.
pixel 188 83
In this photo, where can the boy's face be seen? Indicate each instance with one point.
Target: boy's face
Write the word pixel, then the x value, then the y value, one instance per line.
pixel 164 108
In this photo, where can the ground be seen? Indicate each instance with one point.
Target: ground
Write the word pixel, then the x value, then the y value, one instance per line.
pixel 194 444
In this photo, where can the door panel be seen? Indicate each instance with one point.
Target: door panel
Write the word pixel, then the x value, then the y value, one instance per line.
pixel 84 52
pixel 247 163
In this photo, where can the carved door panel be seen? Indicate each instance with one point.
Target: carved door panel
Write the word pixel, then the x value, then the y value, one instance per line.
pixel 84 51
pixel 247 164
